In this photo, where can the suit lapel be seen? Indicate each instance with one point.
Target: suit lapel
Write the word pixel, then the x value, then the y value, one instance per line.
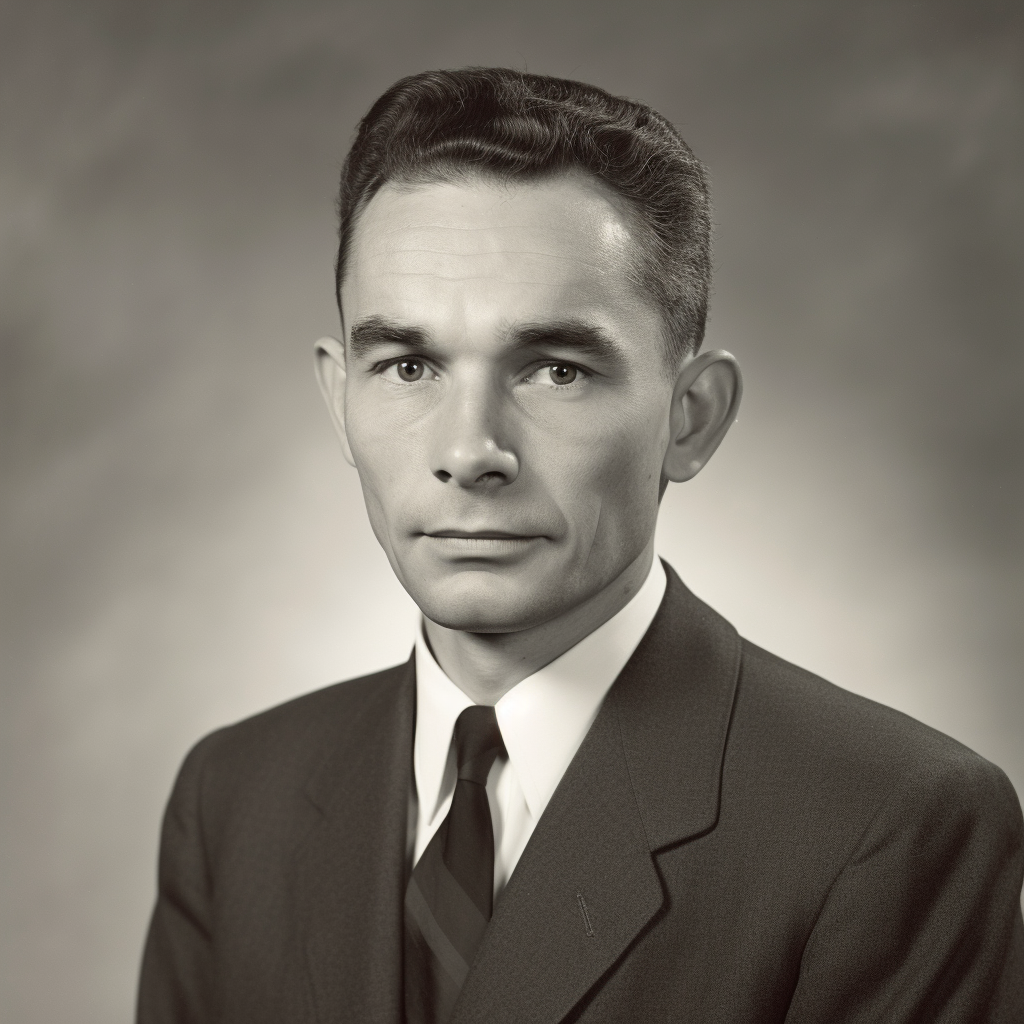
pixel 647 776
pixel 352 869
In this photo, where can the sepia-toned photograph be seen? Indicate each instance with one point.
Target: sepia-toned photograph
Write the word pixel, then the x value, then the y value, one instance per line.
pixel 511 513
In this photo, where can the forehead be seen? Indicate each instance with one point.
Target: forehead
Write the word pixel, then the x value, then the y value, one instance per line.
pixel 485 248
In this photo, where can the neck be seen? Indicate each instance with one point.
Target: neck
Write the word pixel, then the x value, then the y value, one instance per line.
pixel 485 666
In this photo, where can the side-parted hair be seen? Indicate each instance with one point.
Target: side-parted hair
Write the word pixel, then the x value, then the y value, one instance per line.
pixel 449 125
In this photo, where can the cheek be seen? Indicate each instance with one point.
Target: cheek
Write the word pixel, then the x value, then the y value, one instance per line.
pixel 611 481
pixel 380 478
pixel 384 452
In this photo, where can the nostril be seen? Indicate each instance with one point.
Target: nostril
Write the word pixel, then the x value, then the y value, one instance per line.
pixel 479 464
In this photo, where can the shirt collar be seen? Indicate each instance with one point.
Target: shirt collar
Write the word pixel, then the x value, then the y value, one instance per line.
pixel 544 718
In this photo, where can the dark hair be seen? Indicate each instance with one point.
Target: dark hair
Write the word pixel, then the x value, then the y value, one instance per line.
pixel 442 125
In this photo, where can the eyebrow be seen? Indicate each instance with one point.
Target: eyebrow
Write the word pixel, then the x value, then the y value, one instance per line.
pixel 583 338
pixel 586 339
pixel 373 332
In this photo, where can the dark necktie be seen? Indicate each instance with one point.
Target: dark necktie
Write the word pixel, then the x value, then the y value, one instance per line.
pixel 448 901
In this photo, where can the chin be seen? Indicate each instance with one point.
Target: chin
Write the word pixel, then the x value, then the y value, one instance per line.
pixel 487 602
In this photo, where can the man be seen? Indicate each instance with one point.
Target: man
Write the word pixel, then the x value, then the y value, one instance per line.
pixel 584 798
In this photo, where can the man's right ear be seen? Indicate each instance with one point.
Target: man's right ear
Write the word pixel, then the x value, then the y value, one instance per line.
pixel 329 356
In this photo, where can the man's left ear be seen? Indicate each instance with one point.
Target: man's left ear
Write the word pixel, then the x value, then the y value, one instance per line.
pixel 705 402
pixel 329 356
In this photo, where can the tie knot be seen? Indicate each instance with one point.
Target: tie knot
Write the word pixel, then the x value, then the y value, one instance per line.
pixel 477 742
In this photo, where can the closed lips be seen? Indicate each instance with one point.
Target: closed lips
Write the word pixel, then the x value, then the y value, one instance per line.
pixel 481 535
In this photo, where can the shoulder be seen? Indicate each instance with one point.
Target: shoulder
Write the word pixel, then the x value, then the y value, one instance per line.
pixel 883 844
pixel 857 757
pixel 820 718
pixel 288 742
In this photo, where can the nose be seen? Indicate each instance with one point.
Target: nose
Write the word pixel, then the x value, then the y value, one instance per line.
pixel 470 448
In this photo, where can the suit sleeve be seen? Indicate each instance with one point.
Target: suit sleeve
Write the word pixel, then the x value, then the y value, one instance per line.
pixel 923 924
pixel 176 983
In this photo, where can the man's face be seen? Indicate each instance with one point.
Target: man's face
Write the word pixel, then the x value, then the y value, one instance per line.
pixel 507 396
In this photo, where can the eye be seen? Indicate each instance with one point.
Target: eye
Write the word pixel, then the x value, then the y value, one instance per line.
pixel 561 373
pixel 408 370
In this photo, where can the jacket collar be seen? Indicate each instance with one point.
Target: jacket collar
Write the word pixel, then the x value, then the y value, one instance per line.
pixel 674 702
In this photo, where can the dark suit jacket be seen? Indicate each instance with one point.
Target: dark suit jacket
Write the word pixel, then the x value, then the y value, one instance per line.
pixel 735 841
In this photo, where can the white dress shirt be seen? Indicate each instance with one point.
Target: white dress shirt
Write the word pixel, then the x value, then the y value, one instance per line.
pixel 543 720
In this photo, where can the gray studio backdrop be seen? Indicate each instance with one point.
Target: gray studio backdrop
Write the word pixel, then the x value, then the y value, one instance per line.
pixel 183 544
